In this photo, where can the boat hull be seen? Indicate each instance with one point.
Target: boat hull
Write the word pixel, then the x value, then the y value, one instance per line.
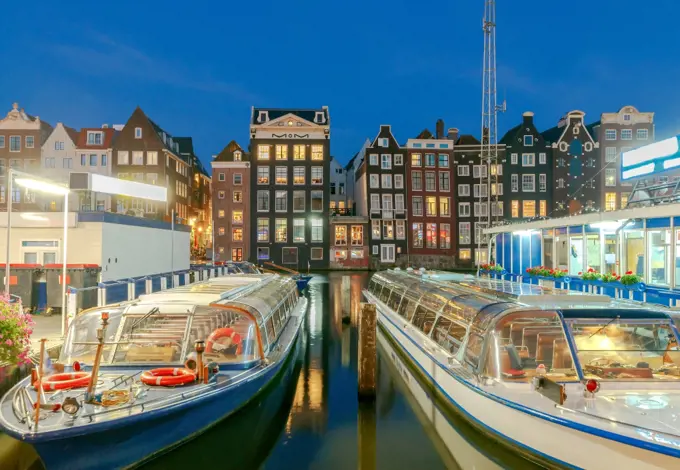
pixel 128 445
pixel 543 438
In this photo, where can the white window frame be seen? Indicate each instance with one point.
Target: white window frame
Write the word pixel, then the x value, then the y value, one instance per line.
pixel 463 170
pixel 138 132
pixel 642 134
pixel 626 134
pixel 528 159
pixel 386 161
pixel 542 158
pixel 542 183
pixel 514 183
pixel 373 159
pixel 464 190
pixel 387 249
pixel 463 209
pixel 610 134
pixel 610 154
pixel 464 228
pixel 374 181
pixel 398 181
pixel 513 158
pixel 530 178
pixel 386 181
pixel 398 159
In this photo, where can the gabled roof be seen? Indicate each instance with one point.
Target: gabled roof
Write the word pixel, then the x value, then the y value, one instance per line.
pixel 509 136
pixel 227 153
pixel 385 133
pixel 425 134
pixel 186 151
pixel 275 113
pixel 169 141
pixel 468 139
pixel 107 142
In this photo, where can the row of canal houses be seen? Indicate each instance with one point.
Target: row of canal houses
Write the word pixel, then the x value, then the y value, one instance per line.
pixel 138 150
pixel 423 202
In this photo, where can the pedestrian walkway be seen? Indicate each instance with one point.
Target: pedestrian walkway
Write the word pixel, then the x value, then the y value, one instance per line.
pixel 48 328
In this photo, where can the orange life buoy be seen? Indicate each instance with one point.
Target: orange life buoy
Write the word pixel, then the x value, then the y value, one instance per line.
pixel 223 333
pixel 65 381
pixel 168 376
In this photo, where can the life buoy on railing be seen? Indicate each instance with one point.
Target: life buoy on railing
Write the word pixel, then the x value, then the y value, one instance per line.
pixel 65 381
pixel 223 333
pixel 168 376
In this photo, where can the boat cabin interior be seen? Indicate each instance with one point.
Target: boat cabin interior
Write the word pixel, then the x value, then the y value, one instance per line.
pixel 238 318
pixel 511 331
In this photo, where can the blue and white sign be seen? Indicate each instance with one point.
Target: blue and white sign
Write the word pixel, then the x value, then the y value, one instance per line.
pixel 650 160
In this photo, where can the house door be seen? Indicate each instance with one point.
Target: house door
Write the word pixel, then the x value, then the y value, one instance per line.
pixel 387 253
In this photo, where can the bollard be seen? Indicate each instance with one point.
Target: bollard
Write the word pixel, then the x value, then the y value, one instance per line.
pixel 164 283
pixel 131 289
pixel 148 284
pixel 186 278
pixel 175 280
pixel 101 294
pixel 367 352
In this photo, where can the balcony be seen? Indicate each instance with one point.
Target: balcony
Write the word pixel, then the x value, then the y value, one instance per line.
pixel 342 212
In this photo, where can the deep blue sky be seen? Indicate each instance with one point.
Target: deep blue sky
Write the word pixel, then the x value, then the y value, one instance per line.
pixel 197 70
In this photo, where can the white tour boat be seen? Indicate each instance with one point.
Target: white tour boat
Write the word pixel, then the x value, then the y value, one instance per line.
pixel 568 379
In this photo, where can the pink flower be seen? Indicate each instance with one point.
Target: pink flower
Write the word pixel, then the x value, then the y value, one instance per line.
pixel 9 342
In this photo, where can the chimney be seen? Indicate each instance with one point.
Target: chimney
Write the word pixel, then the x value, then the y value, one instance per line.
pixel 118 127
pixel 439 129
pixel 105 126
pixel 527 118
pixel 452 134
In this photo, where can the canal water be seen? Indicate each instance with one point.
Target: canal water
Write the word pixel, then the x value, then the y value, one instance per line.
pixel 312 418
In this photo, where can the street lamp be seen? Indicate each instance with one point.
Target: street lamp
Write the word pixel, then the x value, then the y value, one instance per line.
pixel 44 186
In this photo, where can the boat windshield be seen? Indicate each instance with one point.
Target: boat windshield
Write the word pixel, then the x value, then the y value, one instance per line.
pixel 619 349
pixel 81 339
pixel 523 344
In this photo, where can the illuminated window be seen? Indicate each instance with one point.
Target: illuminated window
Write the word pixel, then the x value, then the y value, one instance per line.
pixel 220 214
pixel 221 231
pixel 417 235
pixel 431 235
pixel 610 177
pixel 357 235
pixel 317 175
pixel 431 206
pixel 263 152
pixel 281 152
pixel 236 254
pixel 281 230
pixel 445 236
pixel 317 152
pixel 237 156
pixel 281 175
pixel 465 254
pixel 528 208
pixel 237 217
pixel 298 152
pixel 299 175
pixel 341 234
pixel 610 201
pixel 514 207
pixel 236 197
pixel 444 207
pixel 542 208
pixel 262 230
pixel 416 159
pixel 624 200
pixel 237 234
pixel 375 229
pixel 262 175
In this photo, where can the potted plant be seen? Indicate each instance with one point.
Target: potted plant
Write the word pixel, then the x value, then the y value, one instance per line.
pixel 631 281
pixel 491 268
pixel 590 275
pixel 15 333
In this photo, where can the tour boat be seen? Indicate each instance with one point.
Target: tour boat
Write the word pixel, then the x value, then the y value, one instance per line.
pixel 158 370
pixel 567 379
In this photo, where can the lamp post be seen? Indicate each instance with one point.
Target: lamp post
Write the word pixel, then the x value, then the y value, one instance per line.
pixel 28 181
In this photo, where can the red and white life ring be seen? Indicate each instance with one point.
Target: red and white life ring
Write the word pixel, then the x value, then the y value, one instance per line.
pixel 223 333
pixel 168 376
pixel 65 381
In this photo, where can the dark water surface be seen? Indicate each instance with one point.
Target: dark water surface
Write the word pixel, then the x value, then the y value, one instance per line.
pixel 313 420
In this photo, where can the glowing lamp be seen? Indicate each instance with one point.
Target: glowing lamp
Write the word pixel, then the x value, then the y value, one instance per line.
pixel 592 385
pixel 77 366
pixel 70 406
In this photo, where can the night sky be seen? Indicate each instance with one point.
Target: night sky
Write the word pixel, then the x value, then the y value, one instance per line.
pixel 197 70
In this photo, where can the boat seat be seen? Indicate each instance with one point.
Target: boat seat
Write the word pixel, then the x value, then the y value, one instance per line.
pixel 561 356
pixel 545 346
pixel 530 336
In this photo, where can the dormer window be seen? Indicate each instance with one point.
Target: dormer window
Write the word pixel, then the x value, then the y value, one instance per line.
pixel 95 138
pixel 528 140
pixel 626 117
pixel 138 132
pixel 383 142
pixel 237 156
pixel 263 116
pixel 319 117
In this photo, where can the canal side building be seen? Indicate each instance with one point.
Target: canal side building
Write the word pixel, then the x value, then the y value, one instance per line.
pixel 576 164
pixel 619 132
pixel 94 154
pixel 21 139
pixel 380 192
pixel 231 209
pixel 430 184
pixel 290 187
pixel 526 173
pixel 58 158
pixel 146 153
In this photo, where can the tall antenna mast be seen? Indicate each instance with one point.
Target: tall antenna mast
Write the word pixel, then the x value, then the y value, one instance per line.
pixel 490 109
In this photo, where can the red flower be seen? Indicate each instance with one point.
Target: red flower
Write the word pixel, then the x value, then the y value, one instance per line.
pixel 629 272
pixel 591 270
pixel 579 273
